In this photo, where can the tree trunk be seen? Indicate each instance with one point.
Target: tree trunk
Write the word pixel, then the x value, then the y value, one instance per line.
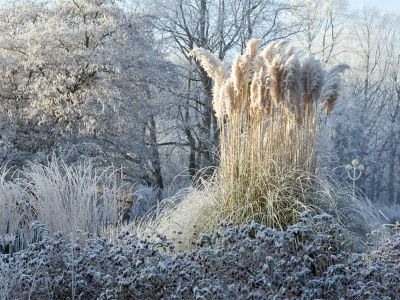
pixel 155 157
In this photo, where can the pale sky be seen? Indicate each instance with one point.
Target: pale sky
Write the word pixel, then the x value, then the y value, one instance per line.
pixel 384 5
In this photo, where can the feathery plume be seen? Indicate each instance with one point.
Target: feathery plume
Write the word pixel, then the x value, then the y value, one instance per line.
pixel 280 45
pixel 276 74
pixel 289 52
pixel 313 80
pixel 229 96
pixel 218 101
pixel 269 52
pixel 236 75
pixel 292 85
pixel 273 49
pixel 215 69
pixel 212 65
pixel 252 48
pixel 256 92
pixel 331 90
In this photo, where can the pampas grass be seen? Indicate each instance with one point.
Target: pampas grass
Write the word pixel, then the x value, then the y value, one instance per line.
pixel 268 109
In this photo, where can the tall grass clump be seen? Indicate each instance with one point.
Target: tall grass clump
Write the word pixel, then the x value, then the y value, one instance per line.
pixel 77 197
pixel 56 197
pixel 268 110
pixel 16 213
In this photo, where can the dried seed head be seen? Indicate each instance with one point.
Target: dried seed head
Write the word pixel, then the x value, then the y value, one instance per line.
pixel 218 100
pixel 331 90
pixel 273 49
pixel 229 96
pixel 247 68
pixel 252 48
pixel 276 77
pixel 276 72
pixel 269 52
pixel 313 80
pixel 292 84
pixel 289 52
pixel 255 92
pixel 212 65
pixel 215 69
pixel 236 75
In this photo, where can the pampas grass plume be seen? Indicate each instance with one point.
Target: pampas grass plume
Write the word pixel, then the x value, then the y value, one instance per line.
pixel 332 87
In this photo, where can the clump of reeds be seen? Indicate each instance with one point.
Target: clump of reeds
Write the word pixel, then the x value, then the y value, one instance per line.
pixel 268 108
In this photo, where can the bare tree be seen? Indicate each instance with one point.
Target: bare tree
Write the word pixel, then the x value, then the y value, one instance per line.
pixel 323 27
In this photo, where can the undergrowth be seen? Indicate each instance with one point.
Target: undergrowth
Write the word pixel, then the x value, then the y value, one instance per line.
pixel 305 261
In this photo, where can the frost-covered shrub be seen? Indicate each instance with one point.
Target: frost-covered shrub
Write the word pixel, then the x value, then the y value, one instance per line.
pixel 307 261
pixel 92 85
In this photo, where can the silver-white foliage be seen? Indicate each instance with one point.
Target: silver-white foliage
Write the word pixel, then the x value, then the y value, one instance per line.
pixel 77 70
